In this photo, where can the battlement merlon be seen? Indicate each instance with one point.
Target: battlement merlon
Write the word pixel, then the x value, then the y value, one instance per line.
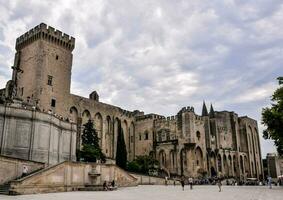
pixel 187 109
pixel 42 31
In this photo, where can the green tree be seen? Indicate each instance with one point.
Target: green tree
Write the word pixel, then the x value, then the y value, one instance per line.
pixel 121 153
pixel 272 118
pixel 91 150
pixel 133 166
pixel 142 164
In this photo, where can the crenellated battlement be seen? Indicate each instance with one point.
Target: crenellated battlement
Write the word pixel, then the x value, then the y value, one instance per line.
pixel 42 31
pixel 170 118
pixel 197 117
pixel 187 109
pixel 126 112
pixel 149 117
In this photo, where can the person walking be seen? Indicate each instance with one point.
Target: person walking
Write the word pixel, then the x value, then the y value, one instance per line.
pixel 269 181
pixel 113 184
pixel 182 183
pixel 105 188
pixel 219 184
pixel 191 182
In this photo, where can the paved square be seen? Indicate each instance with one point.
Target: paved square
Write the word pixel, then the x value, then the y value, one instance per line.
pixel 165 193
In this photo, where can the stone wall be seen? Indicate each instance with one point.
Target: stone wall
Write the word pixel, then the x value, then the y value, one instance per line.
pixel 185 144
pixel 144 136
pixel 105 118
pixel 151 180
pixel 250 134
pixel 71 176
pixel 37 136
pixel 224 130
pixel 12 168
pixel 44 53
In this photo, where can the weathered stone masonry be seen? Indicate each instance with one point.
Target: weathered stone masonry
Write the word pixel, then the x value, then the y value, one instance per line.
pixel 215 143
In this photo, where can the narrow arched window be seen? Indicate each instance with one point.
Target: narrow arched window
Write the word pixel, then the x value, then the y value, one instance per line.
pixel 198 135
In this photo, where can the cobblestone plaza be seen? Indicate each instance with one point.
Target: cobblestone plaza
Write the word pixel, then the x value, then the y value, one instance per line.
pixel 165 193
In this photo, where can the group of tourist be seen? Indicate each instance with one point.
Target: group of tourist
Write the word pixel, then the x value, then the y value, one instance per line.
pixel 217 181
pixel 109 186
pixel 190 181
pixel 214 181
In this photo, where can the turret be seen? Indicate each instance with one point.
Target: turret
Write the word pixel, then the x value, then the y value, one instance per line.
pixel 186 123
pixel 211 112
pixel 42 68
pixel 47 33
pixel 94 96
pixel 204 110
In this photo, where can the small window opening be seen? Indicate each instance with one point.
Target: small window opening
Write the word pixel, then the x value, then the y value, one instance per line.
pixel 57 57
pixel 22 91
pixel 198 135
pixel 50 78
pixel 53 103
pixel 146 136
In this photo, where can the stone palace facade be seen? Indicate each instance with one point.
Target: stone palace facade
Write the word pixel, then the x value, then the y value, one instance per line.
pixel 214 143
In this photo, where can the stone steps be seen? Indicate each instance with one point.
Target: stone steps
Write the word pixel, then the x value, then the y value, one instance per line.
pixel 4 189
pixel 95 188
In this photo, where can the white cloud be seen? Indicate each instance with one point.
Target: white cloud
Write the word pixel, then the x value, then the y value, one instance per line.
pixel 256 93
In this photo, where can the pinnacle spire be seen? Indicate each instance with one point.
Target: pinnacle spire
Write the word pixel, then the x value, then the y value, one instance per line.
pixel 211 112
pixel 204 110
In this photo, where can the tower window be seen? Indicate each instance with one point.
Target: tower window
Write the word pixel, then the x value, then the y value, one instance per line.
pixel 22 91
pixel 57 57
pixel 146 136
pixel 49 81
pixel 53 103
pixel 198 135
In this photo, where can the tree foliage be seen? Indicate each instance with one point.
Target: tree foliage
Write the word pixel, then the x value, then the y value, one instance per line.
pixel 142 164
pixel 121 153
pixel 272 118
pixel 91 150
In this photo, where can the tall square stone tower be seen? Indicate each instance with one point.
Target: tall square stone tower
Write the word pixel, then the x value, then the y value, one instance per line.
pixel 42 68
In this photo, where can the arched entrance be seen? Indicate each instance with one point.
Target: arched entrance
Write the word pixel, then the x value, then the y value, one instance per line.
pixel 172 161
pixel 183 161
pixel 162 159
pixel 225 163
pixel 85 116
pixel 109 138
pixel 219 163
pixel 132 141
pixel 213 172
pixel 98 125
pixel 73 114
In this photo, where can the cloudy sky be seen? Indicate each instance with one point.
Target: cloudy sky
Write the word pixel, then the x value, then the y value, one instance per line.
pixel 161 55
